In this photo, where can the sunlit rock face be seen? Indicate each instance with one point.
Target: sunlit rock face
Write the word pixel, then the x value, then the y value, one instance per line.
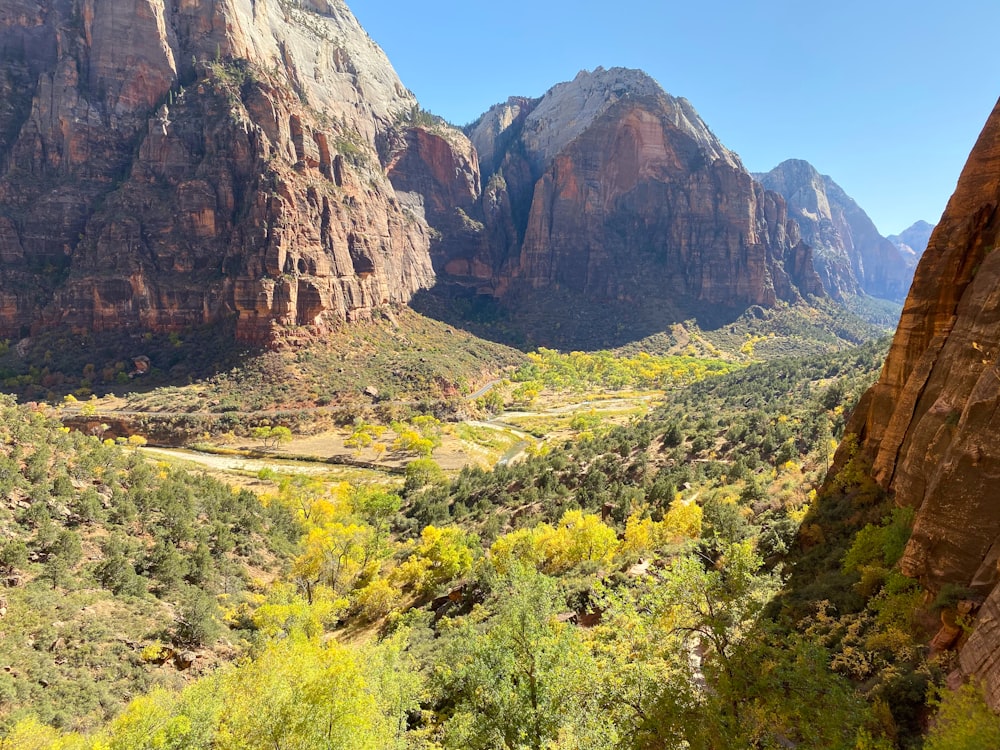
pixel 164 165
pixel 606 190
pixel 848 251
pixel 930 423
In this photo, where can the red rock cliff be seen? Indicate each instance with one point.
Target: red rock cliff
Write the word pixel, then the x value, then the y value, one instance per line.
pixel 609 200
pixel 166 164
pixel 930 423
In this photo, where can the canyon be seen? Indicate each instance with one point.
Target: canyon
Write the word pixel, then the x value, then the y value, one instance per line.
pixel 261 165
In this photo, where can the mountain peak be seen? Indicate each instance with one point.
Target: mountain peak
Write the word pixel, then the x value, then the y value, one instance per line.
pixel 919 226
pixel 913 240
pixel 851 256
pixel 568 109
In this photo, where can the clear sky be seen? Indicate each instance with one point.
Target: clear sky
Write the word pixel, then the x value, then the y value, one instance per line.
pixel 887 97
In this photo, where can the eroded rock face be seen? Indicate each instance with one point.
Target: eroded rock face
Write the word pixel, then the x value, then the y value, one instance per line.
pixel 635 205
pixel 850 254
pixel 930 423
pixel 608 191
pixel 163 165
pixel 435 171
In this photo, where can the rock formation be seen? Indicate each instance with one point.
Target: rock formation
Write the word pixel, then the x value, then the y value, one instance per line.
pixel 164 165
pixel 613 199
pixel 168 165
pixel 849 253
pixel 912 241
pixel 929 424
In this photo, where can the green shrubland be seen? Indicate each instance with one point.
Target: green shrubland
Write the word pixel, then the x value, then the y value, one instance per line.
pixel 684 580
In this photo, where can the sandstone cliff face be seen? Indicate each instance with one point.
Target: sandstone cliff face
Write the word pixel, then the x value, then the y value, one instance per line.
pixel 849 253
pixel 930 423
pixel 635 205
pixel 166 164
pixel 607 191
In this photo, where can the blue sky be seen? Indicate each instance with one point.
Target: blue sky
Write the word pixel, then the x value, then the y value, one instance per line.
pixel 887 97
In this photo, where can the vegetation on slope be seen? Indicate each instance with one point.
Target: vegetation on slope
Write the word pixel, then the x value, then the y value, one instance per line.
pixel 626 589
pixel 401 356
pixel 106 554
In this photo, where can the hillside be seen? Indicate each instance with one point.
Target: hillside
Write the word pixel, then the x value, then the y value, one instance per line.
pixel 849 253
pixel 327 424
pixel 114 568
pixel 658 481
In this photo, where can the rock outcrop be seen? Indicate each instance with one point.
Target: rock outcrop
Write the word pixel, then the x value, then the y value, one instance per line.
pixel 164 165
pixel 929 424
pixel 848 251
pixel 609 199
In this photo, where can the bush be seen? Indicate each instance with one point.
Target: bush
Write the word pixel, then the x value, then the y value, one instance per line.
pixel 197 622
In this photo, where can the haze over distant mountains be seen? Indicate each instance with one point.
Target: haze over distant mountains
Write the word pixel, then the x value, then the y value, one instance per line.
pixel 850 254
pixel 913 241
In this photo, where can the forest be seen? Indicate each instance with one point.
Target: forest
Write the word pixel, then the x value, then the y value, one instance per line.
pixel 690 579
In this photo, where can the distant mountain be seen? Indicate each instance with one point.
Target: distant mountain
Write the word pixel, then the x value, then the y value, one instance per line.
pixel 609 210
pixel 913 241
pixel 850 254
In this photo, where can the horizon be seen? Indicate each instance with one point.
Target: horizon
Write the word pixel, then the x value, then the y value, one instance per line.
pixel 862 103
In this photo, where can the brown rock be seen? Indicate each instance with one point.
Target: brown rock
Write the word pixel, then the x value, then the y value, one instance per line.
pixel 949 633
pixel 609 204
pixel 184 659
pixel 930 422
pixel 178 164
pixel 632 206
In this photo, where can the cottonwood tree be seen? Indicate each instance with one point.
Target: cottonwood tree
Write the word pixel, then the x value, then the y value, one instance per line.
pixel 271 437
pixel 519 678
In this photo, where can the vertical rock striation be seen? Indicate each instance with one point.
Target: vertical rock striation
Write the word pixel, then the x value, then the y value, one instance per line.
pixel 608 199
pixel 930 423
pixel 164 165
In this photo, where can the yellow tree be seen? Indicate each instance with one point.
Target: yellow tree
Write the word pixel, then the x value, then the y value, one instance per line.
pixel 334 556
pixel 443 554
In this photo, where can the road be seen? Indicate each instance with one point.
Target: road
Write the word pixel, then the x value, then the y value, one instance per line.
pixel 484 390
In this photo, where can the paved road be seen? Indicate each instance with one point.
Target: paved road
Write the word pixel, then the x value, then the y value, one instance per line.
pixel 484 390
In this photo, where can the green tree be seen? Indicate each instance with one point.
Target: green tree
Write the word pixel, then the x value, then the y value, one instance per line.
pixel 303 695
pixel 115 572
pixel 963 721
pixel 63 554
pixel 717 606
pixel 271 437
pixel 197 621
pixel 13 556
pixel 520 678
